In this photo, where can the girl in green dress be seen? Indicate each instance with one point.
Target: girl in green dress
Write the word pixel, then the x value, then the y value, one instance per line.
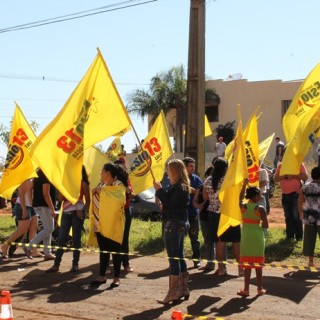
pixel 252 245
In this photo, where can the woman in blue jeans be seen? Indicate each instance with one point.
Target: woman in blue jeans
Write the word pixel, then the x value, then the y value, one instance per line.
pixel 175 205
pixel 72 217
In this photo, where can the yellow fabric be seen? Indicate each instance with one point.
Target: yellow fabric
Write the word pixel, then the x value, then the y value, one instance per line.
pixel 156 150
pixel 302 141
pixel 229 151
pixel 93 112
pixel 264 147
pixel 250 136
pixel 114 149
pixel 93 160
pixel 207 128
pixel 111 212
pixel 307 96
pixel 18 166
pixel 231 186
pixel 92 239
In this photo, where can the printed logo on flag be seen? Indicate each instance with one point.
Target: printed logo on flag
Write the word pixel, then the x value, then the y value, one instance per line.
pixel 152 151
pixel 15 151
pixel 309 97
pixel 72 140
pixel 253 168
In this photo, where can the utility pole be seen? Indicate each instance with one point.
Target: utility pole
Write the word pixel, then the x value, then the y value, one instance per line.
pixel 195 141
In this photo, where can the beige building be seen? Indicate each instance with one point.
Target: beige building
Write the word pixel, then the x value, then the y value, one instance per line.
pixel 272 97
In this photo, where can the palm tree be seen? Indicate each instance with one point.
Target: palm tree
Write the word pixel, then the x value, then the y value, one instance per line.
pixel 168 90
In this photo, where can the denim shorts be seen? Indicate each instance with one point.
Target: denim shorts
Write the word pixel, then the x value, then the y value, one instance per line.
pixel 17 211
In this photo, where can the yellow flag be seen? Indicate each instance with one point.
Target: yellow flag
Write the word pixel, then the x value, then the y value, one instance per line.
pixel 264 147
pixel 111 212
pixel 207 128
pixel 18 166
pixel 93 112
pixel 156 150
pixel 231 186
pixel 301 143
pixel 114 149
pixel 93 160
pixel 229 151
pixel 307 96
pixel 250 136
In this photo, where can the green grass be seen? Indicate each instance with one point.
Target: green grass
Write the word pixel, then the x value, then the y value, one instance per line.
pixel 7 226
pixel 146 239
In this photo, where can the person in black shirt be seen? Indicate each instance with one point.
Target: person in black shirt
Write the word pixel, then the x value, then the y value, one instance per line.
pixel 44 194
pixel 175 206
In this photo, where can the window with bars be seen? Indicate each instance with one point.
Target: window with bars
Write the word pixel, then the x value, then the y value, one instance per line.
pixel 285 104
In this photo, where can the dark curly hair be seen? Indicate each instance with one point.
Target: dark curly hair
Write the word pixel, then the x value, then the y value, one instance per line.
pixel 252 192
pixel 117 171
pixel 220 167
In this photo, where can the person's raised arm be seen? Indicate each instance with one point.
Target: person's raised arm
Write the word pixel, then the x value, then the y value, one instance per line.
pixel 243 191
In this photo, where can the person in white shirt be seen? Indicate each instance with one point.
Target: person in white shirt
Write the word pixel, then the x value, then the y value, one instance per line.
pixel 220 147
pixel 263 185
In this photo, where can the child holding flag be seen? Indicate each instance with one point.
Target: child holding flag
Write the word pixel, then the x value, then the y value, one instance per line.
pixel 252 245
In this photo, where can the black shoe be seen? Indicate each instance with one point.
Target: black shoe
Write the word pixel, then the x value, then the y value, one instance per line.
pixel 197 264
pixel 97 282
pixel 53 269
pixel 115 284
pixel 74 269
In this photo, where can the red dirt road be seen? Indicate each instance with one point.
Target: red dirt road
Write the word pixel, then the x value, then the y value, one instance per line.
pixel 292 294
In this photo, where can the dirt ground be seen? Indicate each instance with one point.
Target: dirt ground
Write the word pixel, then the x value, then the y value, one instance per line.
pixel 292 294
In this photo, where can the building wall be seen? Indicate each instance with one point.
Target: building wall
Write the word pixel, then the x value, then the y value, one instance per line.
pixel 268 95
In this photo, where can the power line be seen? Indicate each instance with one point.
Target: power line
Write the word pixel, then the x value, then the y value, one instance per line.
pixel 73 16
pixel 45 78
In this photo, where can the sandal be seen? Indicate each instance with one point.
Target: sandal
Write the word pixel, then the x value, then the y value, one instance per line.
pixel 243 293
pixel 128 269
pixel 4 256
pixel 221 273
pixel 261 292
pixel 28 253
pixel 241 272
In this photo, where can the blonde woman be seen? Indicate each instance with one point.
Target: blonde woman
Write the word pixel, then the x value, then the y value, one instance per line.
pixel 175 206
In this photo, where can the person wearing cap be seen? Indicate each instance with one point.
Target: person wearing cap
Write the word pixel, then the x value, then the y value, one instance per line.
pixel 221 147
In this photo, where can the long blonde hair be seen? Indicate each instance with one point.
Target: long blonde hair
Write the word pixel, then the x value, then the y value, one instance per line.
pixel 179 172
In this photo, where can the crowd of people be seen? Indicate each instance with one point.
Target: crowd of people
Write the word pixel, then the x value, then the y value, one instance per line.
pixel 188 205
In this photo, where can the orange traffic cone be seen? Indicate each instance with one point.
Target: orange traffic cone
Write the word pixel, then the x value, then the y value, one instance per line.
pixel 5 306
pixel 176 315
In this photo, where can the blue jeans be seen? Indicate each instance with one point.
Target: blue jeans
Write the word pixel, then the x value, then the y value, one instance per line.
pixel 125 241
pixel 174 234
pixel 194 237
pixel 68 221
pixel 291 214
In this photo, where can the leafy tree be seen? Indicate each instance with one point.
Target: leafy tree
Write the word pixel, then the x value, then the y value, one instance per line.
pixel 5 131
pixel 168 90
pixel 226 131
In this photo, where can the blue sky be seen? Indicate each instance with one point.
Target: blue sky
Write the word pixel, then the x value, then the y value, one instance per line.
pixel 262 40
